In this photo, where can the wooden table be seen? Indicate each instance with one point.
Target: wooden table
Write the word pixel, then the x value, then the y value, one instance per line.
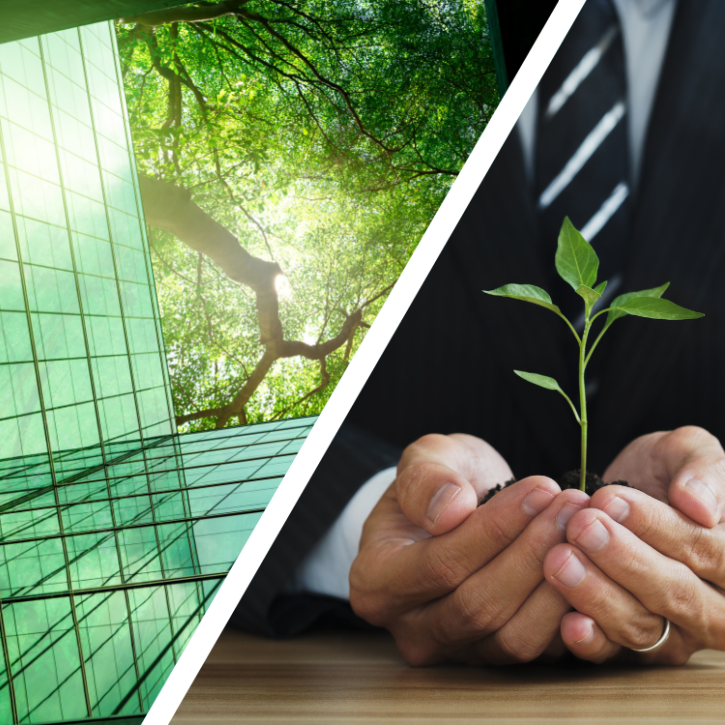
pixel 360 679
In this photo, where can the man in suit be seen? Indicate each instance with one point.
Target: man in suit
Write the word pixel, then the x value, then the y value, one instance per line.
pixel 449 591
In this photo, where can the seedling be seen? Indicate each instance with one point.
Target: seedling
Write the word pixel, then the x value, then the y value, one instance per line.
pixel 578 264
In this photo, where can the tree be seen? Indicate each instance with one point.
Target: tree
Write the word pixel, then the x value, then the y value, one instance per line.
pixel 292 146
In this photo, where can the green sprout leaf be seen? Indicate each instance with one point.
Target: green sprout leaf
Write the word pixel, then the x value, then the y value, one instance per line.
pixel 615 311
pixel 543 381
pixel 525 293
pixel 576 261
pixel 657 309
pixel 590 296
pixel 577 264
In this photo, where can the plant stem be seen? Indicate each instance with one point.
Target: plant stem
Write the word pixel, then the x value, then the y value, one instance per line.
pixel 571 405
pixel 583 403
pixel 601 334
pixel 571 327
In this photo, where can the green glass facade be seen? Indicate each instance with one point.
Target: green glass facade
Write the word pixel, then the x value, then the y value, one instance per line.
pixel 115 531
pixel 104 578
pixel 82 353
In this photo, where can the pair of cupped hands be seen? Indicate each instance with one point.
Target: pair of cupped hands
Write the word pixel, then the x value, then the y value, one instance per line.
pixel 538 572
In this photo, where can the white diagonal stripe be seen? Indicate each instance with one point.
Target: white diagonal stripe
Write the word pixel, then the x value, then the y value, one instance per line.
pixel 585 66
pixel 606 211
pixel 363 363
pixel 590 144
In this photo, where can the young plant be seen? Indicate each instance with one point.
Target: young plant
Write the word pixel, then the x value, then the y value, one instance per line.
pixel 577 264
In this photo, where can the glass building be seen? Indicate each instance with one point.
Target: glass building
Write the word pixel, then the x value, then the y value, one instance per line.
pixel 115 531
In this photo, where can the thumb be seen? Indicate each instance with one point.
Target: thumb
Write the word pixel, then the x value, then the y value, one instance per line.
pixel 697 487
pixel 434 496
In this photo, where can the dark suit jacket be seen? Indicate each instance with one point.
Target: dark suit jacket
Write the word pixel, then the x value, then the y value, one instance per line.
pixel 449 366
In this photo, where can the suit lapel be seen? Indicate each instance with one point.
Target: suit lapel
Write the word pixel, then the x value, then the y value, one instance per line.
pixel 677 231
pixel 496 243
pixel 677 235
pixel 682 190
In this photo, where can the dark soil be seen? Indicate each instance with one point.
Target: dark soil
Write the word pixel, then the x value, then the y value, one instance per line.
pixel 569 480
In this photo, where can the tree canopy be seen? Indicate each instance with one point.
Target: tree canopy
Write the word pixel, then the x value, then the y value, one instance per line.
pixel 291 156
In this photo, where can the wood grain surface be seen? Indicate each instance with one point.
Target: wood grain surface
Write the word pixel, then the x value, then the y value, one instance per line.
pixel 361 679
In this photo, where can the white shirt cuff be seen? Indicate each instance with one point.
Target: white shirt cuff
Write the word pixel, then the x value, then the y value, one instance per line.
pixel 326 569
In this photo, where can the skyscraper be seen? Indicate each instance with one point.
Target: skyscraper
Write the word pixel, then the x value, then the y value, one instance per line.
pixel 115 531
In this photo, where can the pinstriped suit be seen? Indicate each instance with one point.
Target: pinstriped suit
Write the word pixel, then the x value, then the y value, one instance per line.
pixel 448 367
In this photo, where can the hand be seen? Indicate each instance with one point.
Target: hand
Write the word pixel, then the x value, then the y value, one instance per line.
pixel 455 582
pixel 633 560
pixel 685 467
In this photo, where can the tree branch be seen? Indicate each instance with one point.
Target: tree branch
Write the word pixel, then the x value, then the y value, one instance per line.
pixel 293 348
pixel 172 209
pixel 324 382
pixel 186 14
pixel 175 78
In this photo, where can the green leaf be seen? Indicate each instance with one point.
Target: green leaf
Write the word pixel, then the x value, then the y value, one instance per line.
pixel 576 261
pixel 590 295
pixel 615 312
pixel 543 381
pixel 601 287
pixel 525 293
pixel 657 309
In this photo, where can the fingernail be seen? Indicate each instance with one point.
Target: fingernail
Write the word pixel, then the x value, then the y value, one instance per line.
pixel 440 501
pixel 536 501
pixel 617 509
pixel 587 638
pixel 565 513
pixel 594 537
pixel 704 493
pixel 571 573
